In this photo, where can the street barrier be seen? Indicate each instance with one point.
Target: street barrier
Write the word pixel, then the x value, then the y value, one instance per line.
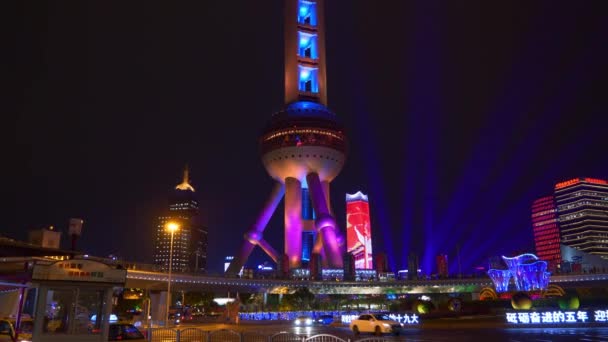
pixel 285 337
pixel 227 335
pixel 324 338
pixel 224 336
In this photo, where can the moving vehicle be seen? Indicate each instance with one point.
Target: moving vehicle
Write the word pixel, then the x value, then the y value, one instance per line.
pixel 303 321
pixel 124 331
pixel 325 319
pixel 8 332
pixel 375 323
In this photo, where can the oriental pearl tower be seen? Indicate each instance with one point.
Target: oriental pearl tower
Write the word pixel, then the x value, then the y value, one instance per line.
pixel 303 147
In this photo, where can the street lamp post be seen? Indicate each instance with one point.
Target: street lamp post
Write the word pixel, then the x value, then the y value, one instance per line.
pixel 172 227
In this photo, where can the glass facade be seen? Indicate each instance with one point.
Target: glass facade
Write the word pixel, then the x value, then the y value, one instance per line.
pixel 308 242
pixel 308 213
pixel 71 311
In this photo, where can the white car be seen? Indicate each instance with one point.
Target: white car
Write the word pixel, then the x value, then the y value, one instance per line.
pixel 303 321
pixel 375 323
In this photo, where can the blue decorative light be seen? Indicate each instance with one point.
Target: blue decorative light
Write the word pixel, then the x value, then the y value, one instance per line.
pixel 303 11
pixel 304 40
pixel 527 271
pixel 304 74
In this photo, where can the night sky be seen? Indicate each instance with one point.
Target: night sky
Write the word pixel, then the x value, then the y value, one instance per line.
pixel 459 113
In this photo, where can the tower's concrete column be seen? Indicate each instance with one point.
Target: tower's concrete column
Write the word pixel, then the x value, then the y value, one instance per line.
pixel 293 221
pixel 325 186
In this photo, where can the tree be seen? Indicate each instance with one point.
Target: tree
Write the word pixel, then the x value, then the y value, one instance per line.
pixel 301 299
pixel 204 299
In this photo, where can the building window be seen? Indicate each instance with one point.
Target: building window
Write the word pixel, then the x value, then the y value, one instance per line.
pixel 307 13
pixel 308 79
pixel 307 45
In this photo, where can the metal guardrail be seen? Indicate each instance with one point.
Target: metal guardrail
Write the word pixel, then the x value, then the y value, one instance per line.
pixel 227 335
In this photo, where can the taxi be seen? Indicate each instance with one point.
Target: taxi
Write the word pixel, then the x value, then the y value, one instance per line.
pixel 8 332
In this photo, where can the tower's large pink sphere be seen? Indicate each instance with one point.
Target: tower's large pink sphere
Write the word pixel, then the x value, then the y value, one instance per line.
pixel 303 137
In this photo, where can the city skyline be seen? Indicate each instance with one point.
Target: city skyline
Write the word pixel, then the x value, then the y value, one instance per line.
pixel 459 117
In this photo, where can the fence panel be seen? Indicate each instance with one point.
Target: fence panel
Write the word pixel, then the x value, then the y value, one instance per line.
pixel 163 334
pixel 192 335
pixel 255 337
pixel 286 337
pixel 224 336
pixel 324 338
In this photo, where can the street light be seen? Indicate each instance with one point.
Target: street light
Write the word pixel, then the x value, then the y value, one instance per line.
pixel 172 227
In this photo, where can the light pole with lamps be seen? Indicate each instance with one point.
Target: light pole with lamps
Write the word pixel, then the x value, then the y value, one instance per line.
pixel 172 227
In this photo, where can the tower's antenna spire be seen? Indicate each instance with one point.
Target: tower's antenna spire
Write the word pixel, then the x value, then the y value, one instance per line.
pixel 186 174
pixel 305 51
pixel 185 184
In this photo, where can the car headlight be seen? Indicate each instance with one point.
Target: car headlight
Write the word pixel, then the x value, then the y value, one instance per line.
pixel 386 325
pixel 308 321
pixel 297 322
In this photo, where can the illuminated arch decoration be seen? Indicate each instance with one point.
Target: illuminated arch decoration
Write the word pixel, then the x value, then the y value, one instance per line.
pixel 527 271
pixel 554 291
pixel 488 293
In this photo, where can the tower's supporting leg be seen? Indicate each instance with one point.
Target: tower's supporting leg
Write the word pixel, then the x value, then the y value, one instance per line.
pixel 339 235
pixel 325 222
pixel 293 221
pixel 267 248
pixel 254 234
pixel 325 186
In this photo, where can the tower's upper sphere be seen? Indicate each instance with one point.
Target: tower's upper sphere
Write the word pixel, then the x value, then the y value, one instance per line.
pixel 303 137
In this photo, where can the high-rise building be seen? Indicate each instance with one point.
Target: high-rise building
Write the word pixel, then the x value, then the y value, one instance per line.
pixel 575 216
pixel 350 272
pixel 412 266
pixel 381 261
pixel 303 147
pixel 358 230
pixel 582 208
pixel 190 240
pixel 45 237
pixel 546 231
pixel 442 265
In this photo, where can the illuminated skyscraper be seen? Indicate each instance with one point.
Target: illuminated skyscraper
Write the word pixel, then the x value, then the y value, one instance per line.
pixel 358 230
pixel 546 231
pixel 303 147
pixel 576 216
pixel 582 208
pixel 442 265
pixel 190 241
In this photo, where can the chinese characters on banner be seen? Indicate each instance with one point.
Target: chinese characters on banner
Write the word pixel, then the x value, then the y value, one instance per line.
pixel 558 316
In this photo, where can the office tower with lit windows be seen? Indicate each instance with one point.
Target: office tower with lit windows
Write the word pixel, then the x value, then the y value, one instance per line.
pixel 582 214
pixel 190 240
pixel 546 232
pixel 303 147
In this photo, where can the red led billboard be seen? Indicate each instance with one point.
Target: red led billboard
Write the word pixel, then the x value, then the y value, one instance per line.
pixel 358 230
